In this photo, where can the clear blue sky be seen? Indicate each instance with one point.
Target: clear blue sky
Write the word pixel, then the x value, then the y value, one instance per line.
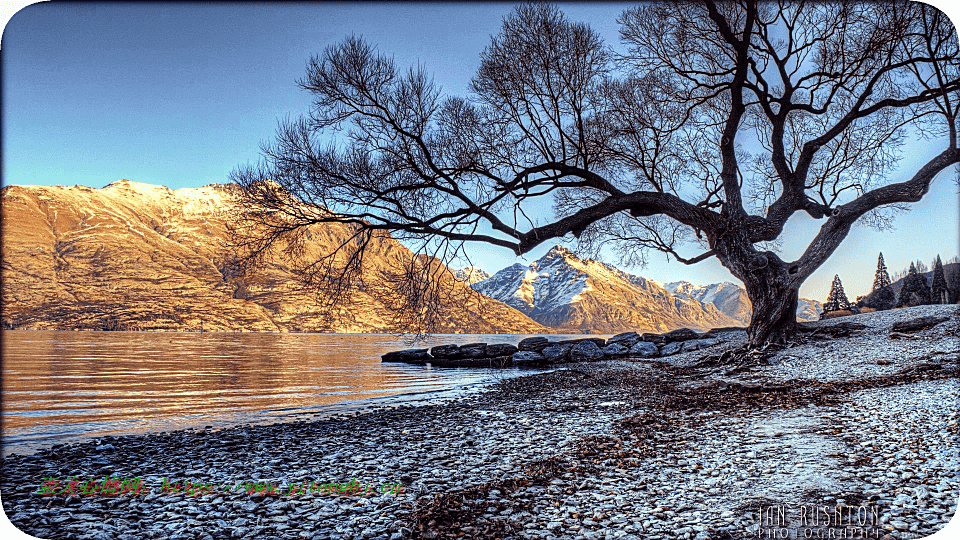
pixel 180 94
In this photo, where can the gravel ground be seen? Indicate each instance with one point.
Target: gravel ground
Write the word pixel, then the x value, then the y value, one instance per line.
pixel 674 448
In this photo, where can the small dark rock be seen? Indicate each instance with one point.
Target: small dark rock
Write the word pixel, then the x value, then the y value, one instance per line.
pixel 535 344
pixel 500 349
pixel 473 350
pixel 680 334
pixel 599 342
pixel 918 324
pixel 446 351
pixel 644 349
pixel 652 338
pixel 671 348
pixel 557 354
pixel 408 355
pixel 585 351
pixel 713 332
pixel 626 339
pixel 615 350
pixel 527 358
pixel 696 344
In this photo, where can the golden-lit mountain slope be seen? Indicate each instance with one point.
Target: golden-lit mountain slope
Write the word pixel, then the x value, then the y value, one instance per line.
pixel 134 256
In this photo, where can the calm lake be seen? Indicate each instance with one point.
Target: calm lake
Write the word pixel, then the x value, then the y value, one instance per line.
pixel 67 386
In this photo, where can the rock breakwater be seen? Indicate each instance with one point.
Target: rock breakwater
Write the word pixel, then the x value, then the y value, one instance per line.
pixel 540 351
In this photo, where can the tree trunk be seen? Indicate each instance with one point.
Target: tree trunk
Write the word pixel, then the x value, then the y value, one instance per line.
pixel 772 289
pixel 774 318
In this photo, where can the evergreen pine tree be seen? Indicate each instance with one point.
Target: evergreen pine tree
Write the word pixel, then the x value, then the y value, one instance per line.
pixel 938 291
pixel 955 284
pixel 914 291
pixel 882 297
pixel 882 278
pixel 837 299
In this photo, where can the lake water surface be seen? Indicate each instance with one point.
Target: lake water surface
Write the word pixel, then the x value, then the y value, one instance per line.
pixel 67 386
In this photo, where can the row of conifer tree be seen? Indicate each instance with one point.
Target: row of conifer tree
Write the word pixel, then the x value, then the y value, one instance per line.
pixel 913 292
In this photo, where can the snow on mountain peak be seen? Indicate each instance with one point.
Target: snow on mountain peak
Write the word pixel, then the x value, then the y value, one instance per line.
pixel 471 275
pixel 564 291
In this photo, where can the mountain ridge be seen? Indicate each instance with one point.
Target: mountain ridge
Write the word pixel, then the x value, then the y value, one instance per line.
pixel 732 299
pixel 144 257
pixel 572 294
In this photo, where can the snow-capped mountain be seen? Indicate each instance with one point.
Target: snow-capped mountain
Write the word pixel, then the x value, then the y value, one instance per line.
pixel 732 300
pixel 471 275
pixel 808 310
pixel 565 292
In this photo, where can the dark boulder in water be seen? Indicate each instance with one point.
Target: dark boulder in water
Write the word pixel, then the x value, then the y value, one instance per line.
pixel 408 355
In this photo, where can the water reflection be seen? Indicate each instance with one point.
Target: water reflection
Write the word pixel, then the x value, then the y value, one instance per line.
pixel 60 386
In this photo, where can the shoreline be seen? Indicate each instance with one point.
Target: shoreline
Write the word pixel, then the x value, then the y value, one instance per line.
pixel 651 449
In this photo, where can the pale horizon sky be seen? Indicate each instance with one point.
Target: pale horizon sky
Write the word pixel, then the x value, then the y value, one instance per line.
pixel 180 94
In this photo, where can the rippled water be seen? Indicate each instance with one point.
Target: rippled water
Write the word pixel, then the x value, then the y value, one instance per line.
pixel 61 386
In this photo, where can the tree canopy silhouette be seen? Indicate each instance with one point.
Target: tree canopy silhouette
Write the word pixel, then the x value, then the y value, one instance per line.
pixel 715 124
pixel 938 289
pixel 837 300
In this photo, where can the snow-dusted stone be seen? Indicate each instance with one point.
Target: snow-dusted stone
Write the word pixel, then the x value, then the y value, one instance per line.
pixel 627 339
pixel 671 348
pixel 527 358
pixel 681 334
pixel 535 344
pixel 473 350
pixel 557 354
pixel 695 344
pixel 408 355
pixel 615 349
pixel 585 351
pixel 446 351
pixel 644 349
pixel 500 349
pixel 920 323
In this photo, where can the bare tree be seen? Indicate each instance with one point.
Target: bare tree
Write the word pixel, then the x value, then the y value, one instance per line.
pixel 716 124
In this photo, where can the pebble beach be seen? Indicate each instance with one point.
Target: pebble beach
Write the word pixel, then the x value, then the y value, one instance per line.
pixel 860 424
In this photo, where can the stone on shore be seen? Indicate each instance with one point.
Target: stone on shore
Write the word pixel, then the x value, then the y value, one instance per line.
pixel 500 349
pixel 599 342
pixel 446 351
pixel 627 339
pixel 408 355
pixel 527 358
pixel 680 334
pixel 671 348
pixel 473 350
pixel 585 351
pixel 615 349
pixel 644 349
pixel 652 338
pixel 724 329
pixel 696 344
pixel 535 344
pixel 557 354
pixel 920 323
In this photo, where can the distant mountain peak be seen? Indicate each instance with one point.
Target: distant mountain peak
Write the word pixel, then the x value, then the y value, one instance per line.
pixel 563 291
pixel 471 275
